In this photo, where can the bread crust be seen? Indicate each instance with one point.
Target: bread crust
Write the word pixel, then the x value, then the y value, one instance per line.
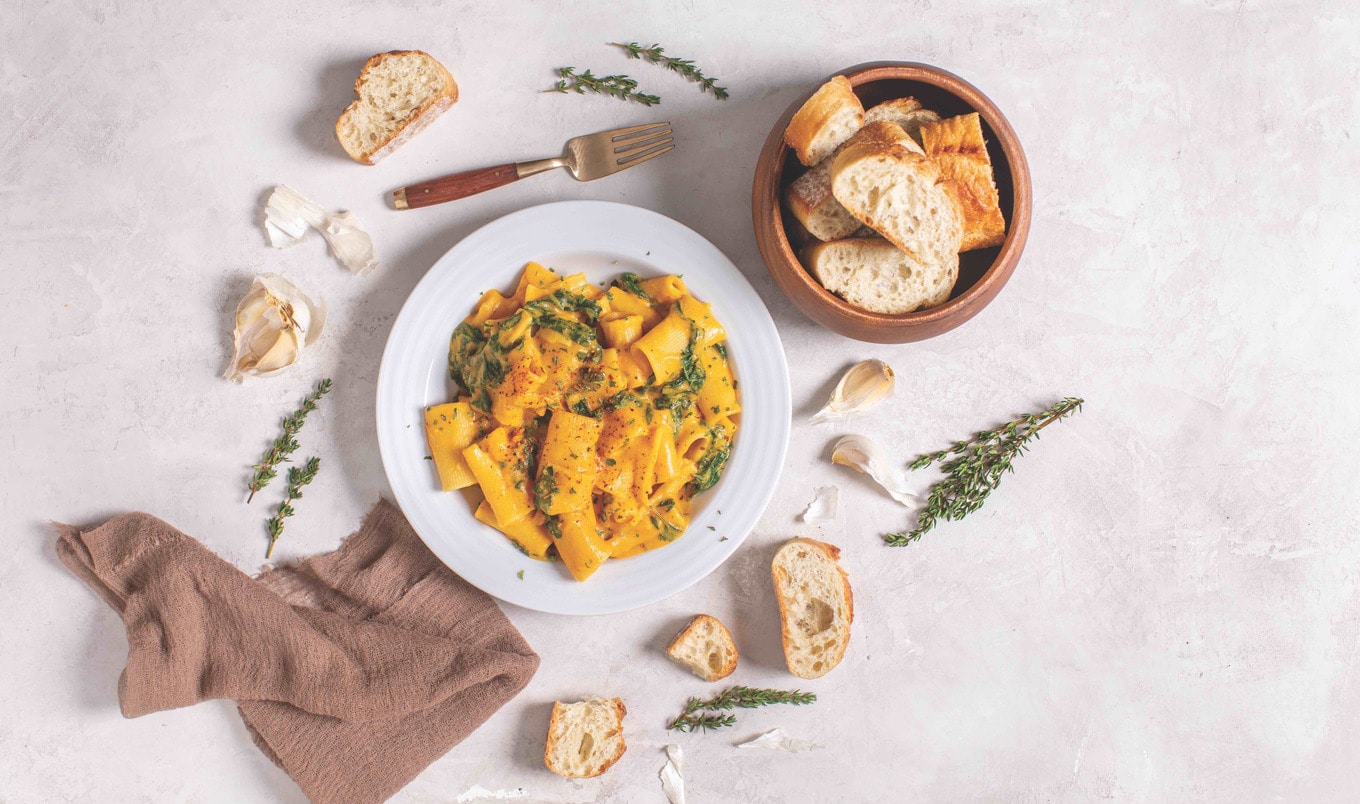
pixel 830 98
pixel 958 148
pixel 905 112
pixel 725 636
pixel 786 616
pixel 426 114
pixel 559 711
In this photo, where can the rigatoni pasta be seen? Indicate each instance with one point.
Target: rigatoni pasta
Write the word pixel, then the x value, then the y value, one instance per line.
pixel 589 417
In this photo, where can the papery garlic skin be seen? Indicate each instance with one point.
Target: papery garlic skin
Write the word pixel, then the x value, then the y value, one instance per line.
pixel 824 505
pixel 863 455
pixel 274 321
pixel 350 244
pixel 288 215
pixel 864 385
pixel 672 775
pixel 777 740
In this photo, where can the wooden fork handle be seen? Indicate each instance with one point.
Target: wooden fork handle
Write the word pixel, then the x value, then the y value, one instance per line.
pixel 454 186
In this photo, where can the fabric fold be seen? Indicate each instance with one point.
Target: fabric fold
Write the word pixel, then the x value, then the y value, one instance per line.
pixel 353 670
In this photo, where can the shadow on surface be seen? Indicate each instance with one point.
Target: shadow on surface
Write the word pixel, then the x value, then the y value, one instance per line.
pixel 334 91
pixel 755 625
pixel 365 338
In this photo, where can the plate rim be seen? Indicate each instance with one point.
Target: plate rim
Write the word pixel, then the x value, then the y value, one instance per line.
pixel 763 320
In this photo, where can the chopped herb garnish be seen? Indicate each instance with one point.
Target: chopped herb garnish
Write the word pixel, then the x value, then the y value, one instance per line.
pixel 632 283
pixel 545 488
pixel 711 463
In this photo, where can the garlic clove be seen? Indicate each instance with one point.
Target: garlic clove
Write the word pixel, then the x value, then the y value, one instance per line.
pixel 277 357
pixel 863 455
pixel 864 385
pixel 274 322
pixel 319 313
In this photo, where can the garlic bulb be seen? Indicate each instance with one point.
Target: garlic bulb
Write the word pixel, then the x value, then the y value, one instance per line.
pixel 288 215
pixel 274 322
pixel 863 455
pixel 866 384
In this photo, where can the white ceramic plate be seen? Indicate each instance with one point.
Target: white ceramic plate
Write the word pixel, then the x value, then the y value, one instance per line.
pixel 603 240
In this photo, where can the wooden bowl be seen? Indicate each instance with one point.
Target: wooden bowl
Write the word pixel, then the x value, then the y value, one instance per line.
pixel 982 273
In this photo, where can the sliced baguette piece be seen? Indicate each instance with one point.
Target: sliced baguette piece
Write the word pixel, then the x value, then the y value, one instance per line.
pixel 905 112
pixel 902 196
pixel 829 118
pixel 957 147
pixel 876 275
pixel 706 648
pixel 809 196
pixel 815 606
pixel 585 738
pixel 400 93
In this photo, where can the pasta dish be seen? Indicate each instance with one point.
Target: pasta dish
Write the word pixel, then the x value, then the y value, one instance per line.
pixel 589 417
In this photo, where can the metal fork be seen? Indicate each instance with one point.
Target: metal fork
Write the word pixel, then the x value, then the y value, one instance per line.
pixel 591 157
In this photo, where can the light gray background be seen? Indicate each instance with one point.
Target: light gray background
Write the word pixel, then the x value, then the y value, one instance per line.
pixel 1161 603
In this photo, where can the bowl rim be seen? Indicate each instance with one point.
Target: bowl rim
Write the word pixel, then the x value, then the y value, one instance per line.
pixel 767 205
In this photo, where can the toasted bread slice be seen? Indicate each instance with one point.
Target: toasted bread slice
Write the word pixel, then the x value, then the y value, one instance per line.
pixel 902 196
pixel 809 196
pixel 706 648
pixel 905 112
pixel 400 93
pixel 957 147
pixel 829 118
pixel 815 606
pixel 876 275
pixel 586 738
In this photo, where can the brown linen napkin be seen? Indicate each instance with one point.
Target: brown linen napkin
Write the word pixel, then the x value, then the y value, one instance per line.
pixel 353 670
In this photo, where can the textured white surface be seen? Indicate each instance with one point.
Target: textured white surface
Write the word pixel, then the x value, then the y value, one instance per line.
pixel 1160 604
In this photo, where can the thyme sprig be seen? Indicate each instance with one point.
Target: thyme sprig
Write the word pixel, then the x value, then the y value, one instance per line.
pixel 298 476
pixel 700 714
pixel 686 67
pixel 615 86
pixel 706 721
pixel 286 444
pixel 973 468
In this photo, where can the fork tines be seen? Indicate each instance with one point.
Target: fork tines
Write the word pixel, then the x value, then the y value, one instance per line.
pixel 637 144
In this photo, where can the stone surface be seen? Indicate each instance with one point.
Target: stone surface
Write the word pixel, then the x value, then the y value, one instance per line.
pixel 1161 602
